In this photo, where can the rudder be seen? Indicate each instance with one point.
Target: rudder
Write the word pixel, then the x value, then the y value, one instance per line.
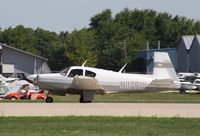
pixel 163 67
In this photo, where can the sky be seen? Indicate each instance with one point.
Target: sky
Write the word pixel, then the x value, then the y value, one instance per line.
pixel 67 15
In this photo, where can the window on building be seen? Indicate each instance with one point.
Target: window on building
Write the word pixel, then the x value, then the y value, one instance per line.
pixel 21 75
pixel 7 75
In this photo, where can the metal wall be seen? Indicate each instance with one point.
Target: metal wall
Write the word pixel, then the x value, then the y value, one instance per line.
pixel 148 57
pixel 24 63
pixel 185 58
pixel 195 55
pixel 183 54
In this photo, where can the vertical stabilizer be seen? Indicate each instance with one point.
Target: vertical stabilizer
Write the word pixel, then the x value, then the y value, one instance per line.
pixel 163 67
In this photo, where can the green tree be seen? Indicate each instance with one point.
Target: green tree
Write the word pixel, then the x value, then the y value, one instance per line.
pixel 116 41
pixel 1 36
pixel 50 46
pixel 79 47
pixel 197 27
pixel 109 42
pixel 20 37
pixel 163 26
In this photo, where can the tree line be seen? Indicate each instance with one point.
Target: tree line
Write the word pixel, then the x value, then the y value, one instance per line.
pixel 109 42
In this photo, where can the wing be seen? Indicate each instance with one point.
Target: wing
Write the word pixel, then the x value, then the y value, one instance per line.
pixel 85 83
pixel 88 86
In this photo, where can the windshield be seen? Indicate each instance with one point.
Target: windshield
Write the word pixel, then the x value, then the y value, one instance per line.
pixel 64 71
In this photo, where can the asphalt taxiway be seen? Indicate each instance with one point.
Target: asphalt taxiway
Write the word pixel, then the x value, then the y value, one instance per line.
pixel 100 109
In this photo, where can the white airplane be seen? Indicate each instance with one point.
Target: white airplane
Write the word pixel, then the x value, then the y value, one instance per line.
pixel 183 77
pixel 88 81
pixel 4 81
pixel 189 81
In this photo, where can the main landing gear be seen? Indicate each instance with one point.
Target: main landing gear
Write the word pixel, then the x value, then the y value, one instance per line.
pixel 81 100
pixel 182 91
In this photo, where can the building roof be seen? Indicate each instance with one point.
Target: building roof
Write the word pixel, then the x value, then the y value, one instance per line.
pixel 28 53
pixel 154 50
pixel 188 39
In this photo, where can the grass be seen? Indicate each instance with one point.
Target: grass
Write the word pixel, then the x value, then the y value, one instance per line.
pixel 129 98
pixel 98 126
pixel 150 98
pixel 137 98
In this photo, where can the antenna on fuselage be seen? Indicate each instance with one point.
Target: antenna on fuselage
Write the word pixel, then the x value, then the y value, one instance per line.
pixel 84 64
pixel 120 71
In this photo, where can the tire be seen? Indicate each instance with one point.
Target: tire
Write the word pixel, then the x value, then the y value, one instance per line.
pixel 81 100
pixel 13 98
pixel 49 100
pixel 182 91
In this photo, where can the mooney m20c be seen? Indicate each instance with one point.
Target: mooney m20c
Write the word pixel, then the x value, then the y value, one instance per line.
pixel 87 81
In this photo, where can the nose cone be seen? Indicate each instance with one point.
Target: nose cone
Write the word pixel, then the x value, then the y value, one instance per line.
pixel 31 77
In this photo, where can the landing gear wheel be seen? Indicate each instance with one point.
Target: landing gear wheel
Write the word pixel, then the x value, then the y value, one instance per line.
pixel 81 100
pixel 182 91
pixel 49 100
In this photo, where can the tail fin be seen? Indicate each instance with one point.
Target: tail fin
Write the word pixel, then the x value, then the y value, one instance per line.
pixel 163 67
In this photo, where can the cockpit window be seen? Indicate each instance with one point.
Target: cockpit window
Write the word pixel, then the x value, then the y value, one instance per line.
pixel 75 72
pixel 64 71
pixel 89 73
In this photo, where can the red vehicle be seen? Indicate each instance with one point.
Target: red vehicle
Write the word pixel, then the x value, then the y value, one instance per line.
pixel 38 96
pixel 21 94
pixel 13 96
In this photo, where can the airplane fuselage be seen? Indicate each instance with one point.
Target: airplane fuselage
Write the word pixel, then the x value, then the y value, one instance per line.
pixel 105 81
pixel 88 81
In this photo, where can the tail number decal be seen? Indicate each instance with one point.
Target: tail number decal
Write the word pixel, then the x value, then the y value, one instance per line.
pixel 132 85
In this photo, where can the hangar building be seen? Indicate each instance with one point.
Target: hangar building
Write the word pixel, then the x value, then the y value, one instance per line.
pixel 18 63
pixel 188 53
pixel 183 53
pixel 147 57
pixel 184 57
pixel 195 55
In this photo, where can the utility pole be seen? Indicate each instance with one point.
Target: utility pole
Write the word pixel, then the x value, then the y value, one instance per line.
pixel 158 44
pixel 147 46
pixel 124 48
